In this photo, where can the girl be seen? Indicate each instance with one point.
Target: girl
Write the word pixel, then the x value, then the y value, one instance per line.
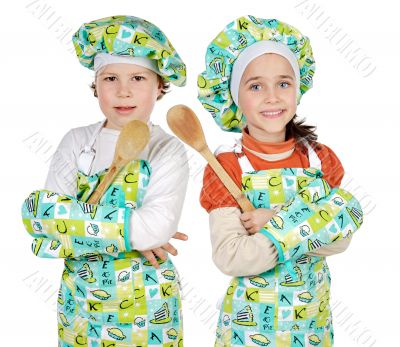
pixel 256 72
pixel 111 295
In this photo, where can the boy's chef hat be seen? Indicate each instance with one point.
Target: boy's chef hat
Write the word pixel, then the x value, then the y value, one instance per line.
pixel 214 84
pixel 133 37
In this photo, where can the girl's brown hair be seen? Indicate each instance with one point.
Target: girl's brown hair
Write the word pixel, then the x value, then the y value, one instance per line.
pixel 300 131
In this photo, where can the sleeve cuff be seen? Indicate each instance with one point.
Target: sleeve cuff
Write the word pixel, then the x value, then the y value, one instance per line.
pixel 276 243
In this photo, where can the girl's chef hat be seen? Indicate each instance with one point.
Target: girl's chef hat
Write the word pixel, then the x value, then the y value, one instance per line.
pixel 128 36
pixel 244 38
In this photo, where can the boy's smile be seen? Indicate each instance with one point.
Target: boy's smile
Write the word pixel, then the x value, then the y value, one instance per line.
pixel 267 97
pixel 126 92
pixel 124 109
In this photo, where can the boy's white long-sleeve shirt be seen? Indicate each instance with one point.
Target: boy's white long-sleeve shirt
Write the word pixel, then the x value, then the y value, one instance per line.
pixel 156 221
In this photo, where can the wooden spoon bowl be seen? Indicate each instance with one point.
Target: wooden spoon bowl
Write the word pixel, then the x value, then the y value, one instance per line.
pixel 184 124
pixel 131 141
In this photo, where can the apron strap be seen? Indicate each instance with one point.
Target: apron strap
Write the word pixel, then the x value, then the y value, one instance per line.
pixel 88 153
pixel 236 148
pixel 312 156
pixel 245 164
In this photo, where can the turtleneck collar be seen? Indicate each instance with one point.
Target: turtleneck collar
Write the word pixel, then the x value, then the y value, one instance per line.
pixel 268 150
pixel 267 147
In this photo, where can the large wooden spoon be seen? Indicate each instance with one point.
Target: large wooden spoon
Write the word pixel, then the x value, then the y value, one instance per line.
pixel 185 124
pixel 133 138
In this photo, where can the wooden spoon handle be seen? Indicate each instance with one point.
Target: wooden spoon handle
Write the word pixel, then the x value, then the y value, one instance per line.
pixel 238 195
pixel 104 184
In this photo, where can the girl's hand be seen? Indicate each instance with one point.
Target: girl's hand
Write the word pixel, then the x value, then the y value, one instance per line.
pixel 253 221
pixel 161 252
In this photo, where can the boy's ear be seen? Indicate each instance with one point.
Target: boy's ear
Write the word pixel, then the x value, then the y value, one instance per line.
pixel 160 86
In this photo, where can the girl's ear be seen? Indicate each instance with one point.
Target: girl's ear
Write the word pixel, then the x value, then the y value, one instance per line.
pixel 93 88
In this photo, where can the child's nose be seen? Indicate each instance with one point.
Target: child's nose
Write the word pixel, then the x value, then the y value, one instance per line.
pixel 124 90
pixel 271 96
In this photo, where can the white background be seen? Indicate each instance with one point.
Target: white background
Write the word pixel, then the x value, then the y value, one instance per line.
pixel 44 93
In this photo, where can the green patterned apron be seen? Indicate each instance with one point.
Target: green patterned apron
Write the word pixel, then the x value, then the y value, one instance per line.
pixel 287 306
pixel 110 295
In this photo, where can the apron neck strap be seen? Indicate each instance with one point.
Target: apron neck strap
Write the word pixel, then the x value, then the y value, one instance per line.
pixel 312 156
pixel 88 153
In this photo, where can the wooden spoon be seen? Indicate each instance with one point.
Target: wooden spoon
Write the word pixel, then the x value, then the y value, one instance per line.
pixel 185 124
pixel 133 138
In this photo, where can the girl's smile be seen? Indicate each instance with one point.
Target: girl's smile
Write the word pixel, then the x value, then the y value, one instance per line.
pixel 272 114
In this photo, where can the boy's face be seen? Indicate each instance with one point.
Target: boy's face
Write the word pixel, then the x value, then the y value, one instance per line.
pixel 267 97
pixel 126 92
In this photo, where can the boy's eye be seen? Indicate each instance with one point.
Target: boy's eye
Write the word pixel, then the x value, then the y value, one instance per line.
pixel 138 78
pixel 110 78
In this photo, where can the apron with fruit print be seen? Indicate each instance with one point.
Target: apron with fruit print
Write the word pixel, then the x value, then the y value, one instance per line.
pixel 287 306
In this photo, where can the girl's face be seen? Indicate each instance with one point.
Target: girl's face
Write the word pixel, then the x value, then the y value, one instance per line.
pixel 126 92
pixel 267 97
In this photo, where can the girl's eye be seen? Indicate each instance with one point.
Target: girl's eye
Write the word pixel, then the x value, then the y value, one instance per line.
pixel 255 87
pixel 110 78
pixel 138 78
pixel 284 84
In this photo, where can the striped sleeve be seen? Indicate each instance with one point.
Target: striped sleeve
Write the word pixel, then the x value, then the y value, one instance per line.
pixel 213 193
pixel 331 165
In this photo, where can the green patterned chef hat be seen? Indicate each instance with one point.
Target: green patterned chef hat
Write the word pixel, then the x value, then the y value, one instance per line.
pixel 215 82
pixel 129 36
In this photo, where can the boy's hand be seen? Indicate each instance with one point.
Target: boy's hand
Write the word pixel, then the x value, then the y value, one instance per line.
pixel 161 252
pixel 253 221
